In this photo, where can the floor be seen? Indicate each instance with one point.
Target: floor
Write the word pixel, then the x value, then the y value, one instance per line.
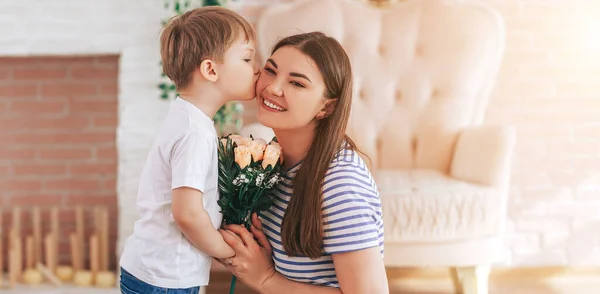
pixel 404 286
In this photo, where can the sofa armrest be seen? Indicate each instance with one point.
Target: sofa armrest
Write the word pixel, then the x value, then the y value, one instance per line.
pixel 483 155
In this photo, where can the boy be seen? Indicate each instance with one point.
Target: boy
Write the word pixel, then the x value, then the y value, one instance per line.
pixel 208 53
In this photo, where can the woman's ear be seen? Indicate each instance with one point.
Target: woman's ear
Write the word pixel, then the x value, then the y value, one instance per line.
pixel 208 70
pixel 327 108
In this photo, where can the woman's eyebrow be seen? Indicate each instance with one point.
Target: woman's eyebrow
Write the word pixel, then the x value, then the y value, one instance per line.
pixel 299 75
pixel 293 74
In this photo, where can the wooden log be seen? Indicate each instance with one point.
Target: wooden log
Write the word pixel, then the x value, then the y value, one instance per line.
pixel 94 256
pixel 50 252
pixel 76 261
pixel 104 239
pixel 80 231
pixel 37 234
pixel 29 253
pixel 55 218
pixel 49 274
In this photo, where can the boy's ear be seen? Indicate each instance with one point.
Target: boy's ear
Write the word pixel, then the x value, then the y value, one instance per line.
pixel 327 108
pixel 208 70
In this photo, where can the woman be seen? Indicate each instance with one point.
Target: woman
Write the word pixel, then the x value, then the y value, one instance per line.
pixel 324 231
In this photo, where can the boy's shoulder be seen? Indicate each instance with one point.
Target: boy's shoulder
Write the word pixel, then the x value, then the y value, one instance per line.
pixel 184 126
pixel 183 117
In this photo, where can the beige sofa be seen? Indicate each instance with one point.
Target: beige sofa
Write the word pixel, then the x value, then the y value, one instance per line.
pixel 424 71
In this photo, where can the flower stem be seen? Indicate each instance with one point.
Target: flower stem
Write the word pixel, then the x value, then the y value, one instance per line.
pixel 232 285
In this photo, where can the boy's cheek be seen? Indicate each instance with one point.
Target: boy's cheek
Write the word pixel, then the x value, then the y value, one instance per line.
pixel 256 76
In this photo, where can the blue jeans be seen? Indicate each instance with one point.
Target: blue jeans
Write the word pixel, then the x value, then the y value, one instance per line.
pixel 132 285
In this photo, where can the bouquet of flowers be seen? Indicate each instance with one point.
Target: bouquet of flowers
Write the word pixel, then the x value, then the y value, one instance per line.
pixel 248 169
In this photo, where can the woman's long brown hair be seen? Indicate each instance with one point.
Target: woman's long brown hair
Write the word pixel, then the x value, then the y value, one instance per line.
pixel 302 227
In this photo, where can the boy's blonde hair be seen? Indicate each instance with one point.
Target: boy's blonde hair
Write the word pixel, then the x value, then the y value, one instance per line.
pixel 199 34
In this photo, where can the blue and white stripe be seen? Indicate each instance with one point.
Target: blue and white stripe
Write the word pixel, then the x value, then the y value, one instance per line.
pixel 352 219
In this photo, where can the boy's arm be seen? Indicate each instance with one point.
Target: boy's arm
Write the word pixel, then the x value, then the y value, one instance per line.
pixel 190 160
pixel 195 223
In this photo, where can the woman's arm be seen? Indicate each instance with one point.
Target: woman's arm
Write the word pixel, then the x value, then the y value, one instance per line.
pixel 277 283
pixel 361 271
pixel 358 272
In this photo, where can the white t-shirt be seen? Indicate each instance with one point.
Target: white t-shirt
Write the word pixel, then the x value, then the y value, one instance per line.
pixel 183 155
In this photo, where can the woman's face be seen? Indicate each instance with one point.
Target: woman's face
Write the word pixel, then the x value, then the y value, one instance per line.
pixel 289 90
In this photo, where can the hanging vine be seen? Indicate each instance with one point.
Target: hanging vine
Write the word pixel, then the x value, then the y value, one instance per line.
pixel 228 118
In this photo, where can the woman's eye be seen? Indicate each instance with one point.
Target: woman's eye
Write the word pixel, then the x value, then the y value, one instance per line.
pixel 247 60
pixel 297 84
pixel 270 71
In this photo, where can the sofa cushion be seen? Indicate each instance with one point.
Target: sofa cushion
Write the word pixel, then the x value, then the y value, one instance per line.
pixel 427 205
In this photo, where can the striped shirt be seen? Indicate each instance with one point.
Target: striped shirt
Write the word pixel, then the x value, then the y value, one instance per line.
pixel 352 219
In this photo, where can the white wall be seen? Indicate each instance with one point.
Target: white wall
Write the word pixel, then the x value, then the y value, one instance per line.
pixel 129 28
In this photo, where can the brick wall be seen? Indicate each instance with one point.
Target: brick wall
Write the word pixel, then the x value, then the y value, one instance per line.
pixel 549 88
pixel 58 119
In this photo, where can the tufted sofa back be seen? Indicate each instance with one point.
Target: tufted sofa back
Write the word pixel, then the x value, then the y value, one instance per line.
pixel 423 70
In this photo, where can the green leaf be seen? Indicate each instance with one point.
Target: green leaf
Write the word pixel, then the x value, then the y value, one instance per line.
pixel 212 3
pixel 164 96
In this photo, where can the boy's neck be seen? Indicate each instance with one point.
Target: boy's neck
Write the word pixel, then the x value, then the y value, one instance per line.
pixel 204 96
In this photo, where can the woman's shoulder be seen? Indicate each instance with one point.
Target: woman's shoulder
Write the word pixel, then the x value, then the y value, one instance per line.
pixel 348 177
pixel 348 161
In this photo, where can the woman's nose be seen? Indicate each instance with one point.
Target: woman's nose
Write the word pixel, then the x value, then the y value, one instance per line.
pixel 275 89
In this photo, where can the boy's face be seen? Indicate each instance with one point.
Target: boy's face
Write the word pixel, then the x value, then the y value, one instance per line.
pixel 238 73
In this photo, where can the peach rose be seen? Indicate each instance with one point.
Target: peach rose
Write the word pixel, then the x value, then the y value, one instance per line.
pixel 275 144
pixel 257 147
pixel 240 140
pixel 271 156
pixel 242 156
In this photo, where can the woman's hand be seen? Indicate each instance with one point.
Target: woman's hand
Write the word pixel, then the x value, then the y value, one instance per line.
pixel 252 263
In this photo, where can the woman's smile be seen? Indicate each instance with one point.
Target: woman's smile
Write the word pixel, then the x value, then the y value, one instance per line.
pixel 270 105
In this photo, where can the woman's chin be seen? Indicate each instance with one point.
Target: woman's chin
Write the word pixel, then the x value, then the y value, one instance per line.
pixel 265 119
pixel 270 119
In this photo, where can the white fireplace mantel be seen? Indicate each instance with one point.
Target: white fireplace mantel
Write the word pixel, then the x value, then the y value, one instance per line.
pixel 129 28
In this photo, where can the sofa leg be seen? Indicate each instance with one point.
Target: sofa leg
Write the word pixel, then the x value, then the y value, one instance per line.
pixel 456 281
pixel 474 280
